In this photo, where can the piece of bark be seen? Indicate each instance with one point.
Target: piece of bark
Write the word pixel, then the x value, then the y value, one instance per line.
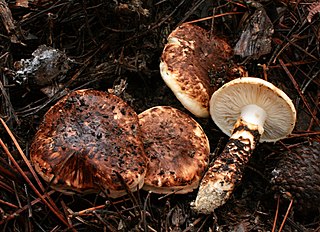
pixel 9 24
pixel 255 40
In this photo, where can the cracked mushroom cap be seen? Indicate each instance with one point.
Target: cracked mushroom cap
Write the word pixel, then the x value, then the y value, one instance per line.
pixel 190 62
pixel 177 147
pixel 228 101
pixel 86 141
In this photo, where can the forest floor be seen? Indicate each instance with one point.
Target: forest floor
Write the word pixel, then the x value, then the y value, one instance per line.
pixel 117 45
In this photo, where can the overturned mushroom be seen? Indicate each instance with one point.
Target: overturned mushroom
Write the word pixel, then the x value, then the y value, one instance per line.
pixel 90 141
pixel 177 147
pixel 250 110
pixel 191 62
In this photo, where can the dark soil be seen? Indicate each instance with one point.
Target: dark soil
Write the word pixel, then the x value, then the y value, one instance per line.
pixel 116 46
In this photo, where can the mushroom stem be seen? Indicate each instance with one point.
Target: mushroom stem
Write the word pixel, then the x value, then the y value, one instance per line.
pixel 226 171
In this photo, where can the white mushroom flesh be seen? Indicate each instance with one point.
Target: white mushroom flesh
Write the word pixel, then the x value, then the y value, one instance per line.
pixel 255 115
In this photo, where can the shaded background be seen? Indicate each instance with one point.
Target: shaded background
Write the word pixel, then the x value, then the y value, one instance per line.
pixel 117 45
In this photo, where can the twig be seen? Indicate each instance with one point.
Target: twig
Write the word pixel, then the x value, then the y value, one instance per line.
pixel 6 187
pixel 296 86
pixel 26 20
pixel 8 102
pixel 294 63
pixel 35 176
pixel 28 201
pixel 303 134
pixel 276 215
pixel 8 204
pixel 144 218
pixel 19 211
pixel 203 223
pixel 26 160
pixel 191 10
pixel 286 216
pixel 15 163
pixel 155 25
pixel 87 211
pixel 195 222
pixel 301 49
pixel 66 213
pixel 279 49
pixel 215 16
pixel 314 110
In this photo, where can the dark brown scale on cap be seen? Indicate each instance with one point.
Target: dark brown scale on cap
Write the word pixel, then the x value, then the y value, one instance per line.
pixel 190 61
pixel 298 174
pixel 85 139
pixel 177 147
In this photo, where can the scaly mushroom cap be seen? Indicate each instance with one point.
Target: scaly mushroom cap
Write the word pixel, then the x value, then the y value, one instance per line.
pixel 86 140
pixel 226 104
pixel 188 59
pixel 177 147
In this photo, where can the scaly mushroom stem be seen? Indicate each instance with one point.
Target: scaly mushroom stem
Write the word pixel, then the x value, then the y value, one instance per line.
pixel 226 172
pixel 262 113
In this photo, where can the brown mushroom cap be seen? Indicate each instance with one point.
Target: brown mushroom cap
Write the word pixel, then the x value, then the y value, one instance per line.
pixel 87 139
pixel 188 59
pixel 177 147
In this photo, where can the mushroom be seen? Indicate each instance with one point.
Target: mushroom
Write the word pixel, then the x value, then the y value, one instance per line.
pixel 191 62
pixel 90 141
pixel 178 150
pixel 249 110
